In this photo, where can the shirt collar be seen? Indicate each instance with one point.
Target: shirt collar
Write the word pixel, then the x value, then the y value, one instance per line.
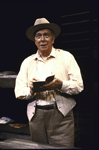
pixel 52 54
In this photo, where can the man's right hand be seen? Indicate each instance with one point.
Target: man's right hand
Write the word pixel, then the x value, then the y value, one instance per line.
pixel 31 86
pixel 31 89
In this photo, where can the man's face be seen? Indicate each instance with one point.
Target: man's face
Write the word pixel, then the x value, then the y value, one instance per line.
pixel 44 40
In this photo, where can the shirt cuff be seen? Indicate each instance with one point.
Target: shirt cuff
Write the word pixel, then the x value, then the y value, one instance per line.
pixel 64 87
pixel 28 94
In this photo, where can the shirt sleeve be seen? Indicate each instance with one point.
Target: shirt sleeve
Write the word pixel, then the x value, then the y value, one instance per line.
pixel 74 85
pixel 21 85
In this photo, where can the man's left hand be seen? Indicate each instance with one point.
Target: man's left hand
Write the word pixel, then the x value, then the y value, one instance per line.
pixel 55 84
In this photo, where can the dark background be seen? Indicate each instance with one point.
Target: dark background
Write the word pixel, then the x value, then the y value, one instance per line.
pixel 78 21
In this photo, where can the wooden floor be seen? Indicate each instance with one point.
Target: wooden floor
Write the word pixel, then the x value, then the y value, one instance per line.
pixel 15 143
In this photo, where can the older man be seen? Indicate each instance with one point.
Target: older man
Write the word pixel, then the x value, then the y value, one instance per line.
pixel 49 109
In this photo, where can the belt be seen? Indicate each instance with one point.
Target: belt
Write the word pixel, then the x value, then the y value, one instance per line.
pixel 46 107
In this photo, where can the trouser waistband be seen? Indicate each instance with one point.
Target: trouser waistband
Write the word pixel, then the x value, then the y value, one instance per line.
pixel 46 107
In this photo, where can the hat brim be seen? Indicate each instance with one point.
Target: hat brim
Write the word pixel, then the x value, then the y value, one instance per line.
pixel 52 26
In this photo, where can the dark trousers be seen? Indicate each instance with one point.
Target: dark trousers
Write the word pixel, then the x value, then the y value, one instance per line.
pixel 50 126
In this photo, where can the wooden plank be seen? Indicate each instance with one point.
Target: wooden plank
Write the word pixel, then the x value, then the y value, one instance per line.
pixel 27 144
pixel 7 81
pixel 7 135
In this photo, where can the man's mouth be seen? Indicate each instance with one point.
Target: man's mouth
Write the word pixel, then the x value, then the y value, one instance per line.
pixel 43 44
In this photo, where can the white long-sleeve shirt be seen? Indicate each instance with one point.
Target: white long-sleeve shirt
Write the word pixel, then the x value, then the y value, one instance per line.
pixel 60 63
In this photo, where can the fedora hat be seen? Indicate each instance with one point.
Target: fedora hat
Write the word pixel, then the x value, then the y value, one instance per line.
pixel 42 23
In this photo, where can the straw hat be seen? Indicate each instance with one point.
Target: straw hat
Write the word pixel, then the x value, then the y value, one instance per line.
pixel 42 23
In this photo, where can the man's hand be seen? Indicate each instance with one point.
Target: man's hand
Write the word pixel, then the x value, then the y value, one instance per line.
pixel 55 84
pixel 31 89
pixel 31 86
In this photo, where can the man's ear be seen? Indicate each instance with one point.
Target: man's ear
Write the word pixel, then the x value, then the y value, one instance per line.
pixel 35 42
pixel 53 39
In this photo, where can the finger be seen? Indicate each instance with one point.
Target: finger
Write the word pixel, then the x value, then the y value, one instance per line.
pixel 31 91
pixel 34 79
pixel 30 86
pixel 47 85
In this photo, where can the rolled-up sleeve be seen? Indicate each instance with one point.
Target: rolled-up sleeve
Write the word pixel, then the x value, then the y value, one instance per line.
pixel 21 85
pixel 75 83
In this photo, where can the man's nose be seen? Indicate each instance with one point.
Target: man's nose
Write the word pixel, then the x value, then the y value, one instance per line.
pixel 42 38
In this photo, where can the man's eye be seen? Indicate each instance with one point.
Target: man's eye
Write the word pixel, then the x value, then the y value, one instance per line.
pixel 38 35
pixel 46 35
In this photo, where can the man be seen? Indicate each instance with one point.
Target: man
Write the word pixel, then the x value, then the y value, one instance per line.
pixel 49 110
